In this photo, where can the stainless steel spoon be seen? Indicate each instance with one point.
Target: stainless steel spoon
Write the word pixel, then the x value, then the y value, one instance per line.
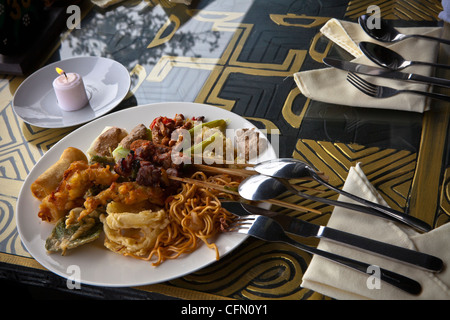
pixel 390 59
pixel 262 187
pixel 386 33
pixel 289 168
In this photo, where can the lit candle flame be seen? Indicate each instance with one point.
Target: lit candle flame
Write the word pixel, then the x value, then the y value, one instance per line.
pixel 61 71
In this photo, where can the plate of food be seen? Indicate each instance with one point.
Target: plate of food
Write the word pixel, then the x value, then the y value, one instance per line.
pixel 125 201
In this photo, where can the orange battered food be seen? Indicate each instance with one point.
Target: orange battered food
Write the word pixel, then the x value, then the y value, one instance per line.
pixel 77 179
pixel 48 181
pixel 126 192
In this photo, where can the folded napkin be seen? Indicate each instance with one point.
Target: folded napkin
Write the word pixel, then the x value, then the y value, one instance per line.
pixel 330 84
pixel 340 282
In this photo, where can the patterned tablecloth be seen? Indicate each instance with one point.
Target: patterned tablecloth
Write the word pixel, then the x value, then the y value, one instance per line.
pixel 240 56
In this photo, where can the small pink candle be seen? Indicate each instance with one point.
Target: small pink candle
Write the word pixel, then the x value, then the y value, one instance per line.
pixel 70 91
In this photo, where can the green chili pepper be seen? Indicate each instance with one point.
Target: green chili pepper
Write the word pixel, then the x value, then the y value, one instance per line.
pixel 199 147
pixel 102 160
pixel 221 124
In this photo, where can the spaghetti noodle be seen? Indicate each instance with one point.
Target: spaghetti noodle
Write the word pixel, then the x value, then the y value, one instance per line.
pixel 195 216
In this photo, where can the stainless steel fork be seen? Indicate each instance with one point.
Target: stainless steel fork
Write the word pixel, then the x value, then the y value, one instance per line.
pixel 265 228
pixel 377 91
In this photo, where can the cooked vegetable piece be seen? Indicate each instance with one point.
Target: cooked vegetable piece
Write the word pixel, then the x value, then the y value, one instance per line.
pixel 102 160
pixel 220 124
pixel 64 237
pixel 199 147
pixel 120 152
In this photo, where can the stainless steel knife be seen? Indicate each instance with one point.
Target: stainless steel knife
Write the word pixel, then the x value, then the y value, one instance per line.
pixel 384 73
pixel 306 229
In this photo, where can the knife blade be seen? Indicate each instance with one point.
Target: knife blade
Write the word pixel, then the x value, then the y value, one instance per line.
pixel 307 229
pixel 384 73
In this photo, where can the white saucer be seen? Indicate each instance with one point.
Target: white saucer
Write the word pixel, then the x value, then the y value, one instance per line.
pixel 107 83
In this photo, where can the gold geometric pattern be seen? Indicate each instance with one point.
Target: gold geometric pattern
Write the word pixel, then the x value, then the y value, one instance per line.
pixel 444 208
pixel 397 9
pixel 221 68
pixel 259 271
pixel 389 170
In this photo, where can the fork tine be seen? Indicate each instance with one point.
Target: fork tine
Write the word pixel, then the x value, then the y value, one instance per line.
pixel 365 83
pixel 357 85
pixel 241 224
pixel 362 84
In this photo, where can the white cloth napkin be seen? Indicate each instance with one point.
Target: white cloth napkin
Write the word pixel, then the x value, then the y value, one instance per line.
pixel 330 85
pixel 340 282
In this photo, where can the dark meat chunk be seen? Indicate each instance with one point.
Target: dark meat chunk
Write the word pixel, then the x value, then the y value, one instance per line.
pixel 162 128
pixel 157 154
pixel 149 175
pixel 179 120
pixel 148 164
pixel 127 167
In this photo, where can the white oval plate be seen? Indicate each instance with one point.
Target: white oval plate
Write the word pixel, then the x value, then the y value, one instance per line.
pixel 98 265
pixel 107 82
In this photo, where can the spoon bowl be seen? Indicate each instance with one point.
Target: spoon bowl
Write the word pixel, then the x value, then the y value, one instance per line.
pixel 260 187
pixel 285 168
pixel 383 56
pixel 387 33
pixel 390 59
